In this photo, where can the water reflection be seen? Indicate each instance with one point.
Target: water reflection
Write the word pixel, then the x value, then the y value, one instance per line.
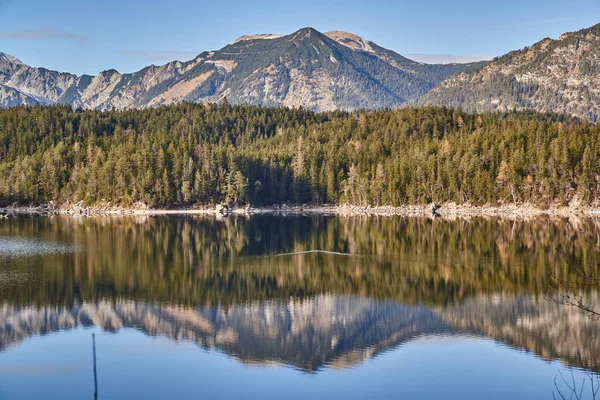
pixel 226 285
pixel 307 333
pixel 19 247
pixel 339 331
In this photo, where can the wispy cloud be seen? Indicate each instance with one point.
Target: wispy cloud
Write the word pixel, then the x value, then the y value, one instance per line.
pixel 444 58
pixel 160 55
pixel 42 33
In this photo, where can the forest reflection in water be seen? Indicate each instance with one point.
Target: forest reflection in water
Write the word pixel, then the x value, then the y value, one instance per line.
pixel 254 288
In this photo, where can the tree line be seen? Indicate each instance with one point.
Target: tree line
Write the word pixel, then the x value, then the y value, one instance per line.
pixel 186 154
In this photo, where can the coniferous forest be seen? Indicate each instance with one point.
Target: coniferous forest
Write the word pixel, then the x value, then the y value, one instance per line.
pixel 178 156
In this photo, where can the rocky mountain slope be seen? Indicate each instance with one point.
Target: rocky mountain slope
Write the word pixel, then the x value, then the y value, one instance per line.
pixel 335 70
pixel 561 75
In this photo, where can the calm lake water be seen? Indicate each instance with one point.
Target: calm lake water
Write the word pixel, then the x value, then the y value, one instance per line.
pixel 297 307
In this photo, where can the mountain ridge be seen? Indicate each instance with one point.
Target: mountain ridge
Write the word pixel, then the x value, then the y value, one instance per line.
pixel 553 75
pixel 322 72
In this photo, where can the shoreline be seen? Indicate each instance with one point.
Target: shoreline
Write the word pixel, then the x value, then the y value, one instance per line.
pixel 447 210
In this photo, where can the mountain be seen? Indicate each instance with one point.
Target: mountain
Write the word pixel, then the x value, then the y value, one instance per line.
pixel 561 76
pixel 335 70
pixel 12 97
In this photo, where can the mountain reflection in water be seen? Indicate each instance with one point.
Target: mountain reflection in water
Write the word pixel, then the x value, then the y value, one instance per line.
pixel 339 331
pixel 216 283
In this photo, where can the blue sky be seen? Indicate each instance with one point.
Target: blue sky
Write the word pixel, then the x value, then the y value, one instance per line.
pixel 87 36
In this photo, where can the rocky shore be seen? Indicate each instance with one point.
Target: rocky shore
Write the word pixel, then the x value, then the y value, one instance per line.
pixel 446 210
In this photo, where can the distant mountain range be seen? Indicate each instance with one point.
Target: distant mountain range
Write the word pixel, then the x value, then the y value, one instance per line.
pixel 328 71
pixel 561 76
pixel 335 70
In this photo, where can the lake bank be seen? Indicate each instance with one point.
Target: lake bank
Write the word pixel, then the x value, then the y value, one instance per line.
pixel 448 210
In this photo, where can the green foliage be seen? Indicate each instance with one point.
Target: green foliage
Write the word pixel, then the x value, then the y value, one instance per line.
pixel 186 154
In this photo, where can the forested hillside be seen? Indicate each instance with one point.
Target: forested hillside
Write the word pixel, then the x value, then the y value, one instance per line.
pixel 561 75
pixel 176 156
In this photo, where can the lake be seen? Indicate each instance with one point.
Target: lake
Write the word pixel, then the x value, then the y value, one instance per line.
pixel 273 307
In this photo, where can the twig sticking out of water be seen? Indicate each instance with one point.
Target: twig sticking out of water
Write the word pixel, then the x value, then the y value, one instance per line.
pixel 571 292
pixel 95 373
pixel 315 251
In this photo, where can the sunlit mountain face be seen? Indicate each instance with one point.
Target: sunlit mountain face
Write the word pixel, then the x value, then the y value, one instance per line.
pixel 559 75
pixel 306 68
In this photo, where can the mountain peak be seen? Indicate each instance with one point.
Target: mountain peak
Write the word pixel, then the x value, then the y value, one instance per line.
pixel 307 29
pixel 307 32
pixel 258 36
pixel 10 58
pixel 350 40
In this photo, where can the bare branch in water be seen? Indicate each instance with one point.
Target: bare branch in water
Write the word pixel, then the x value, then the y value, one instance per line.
pixel 572 292
pixel 570 389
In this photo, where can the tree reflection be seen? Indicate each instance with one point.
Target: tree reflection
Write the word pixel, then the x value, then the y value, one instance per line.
pixel 195 261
